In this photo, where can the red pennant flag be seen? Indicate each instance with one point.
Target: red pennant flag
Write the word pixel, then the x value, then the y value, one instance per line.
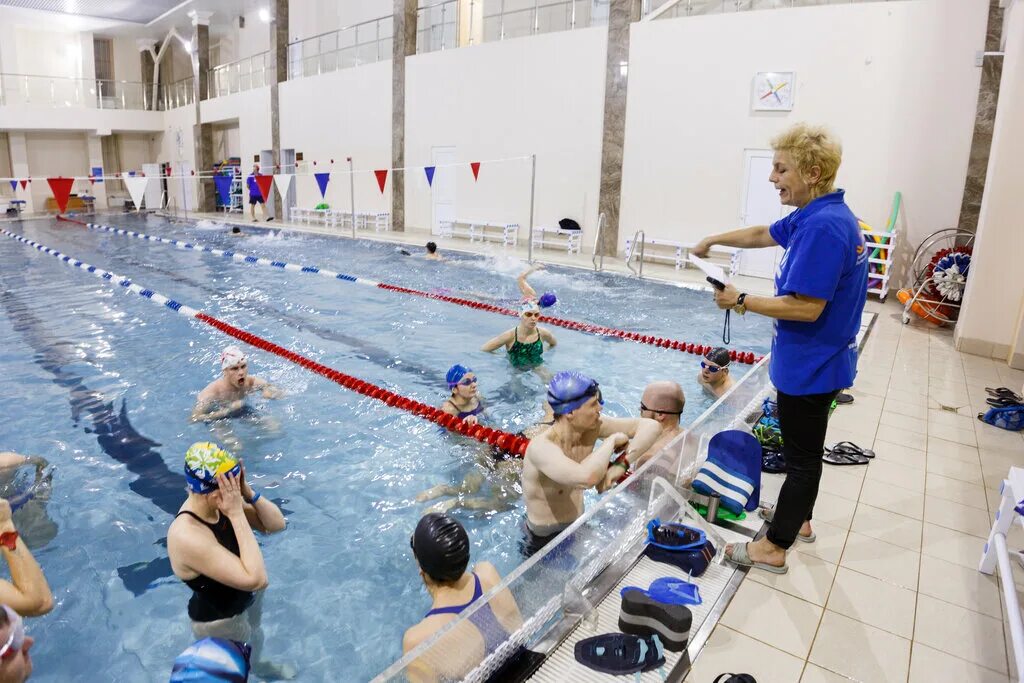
pixel 263 182
pixel 23 184
pixel 476 169
pixel 61 188
pixel 92 180
pixel 382 179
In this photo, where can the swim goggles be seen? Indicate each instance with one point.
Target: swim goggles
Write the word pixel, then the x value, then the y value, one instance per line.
pixel 203 483
pixel 16 641
pixel 712 368
pixel 467 381
pixel 663 412
pixel 674 536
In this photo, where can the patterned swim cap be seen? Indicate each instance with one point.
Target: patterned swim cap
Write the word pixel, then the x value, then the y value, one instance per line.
pixel 212 660
pixel 204 461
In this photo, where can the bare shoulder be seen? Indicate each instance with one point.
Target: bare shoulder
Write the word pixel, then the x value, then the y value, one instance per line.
pixel 11 459
pixel 488 574
pixel 415 635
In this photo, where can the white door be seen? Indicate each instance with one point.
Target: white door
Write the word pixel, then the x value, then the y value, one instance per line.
pixel 188 184
pixel 760 207
pixel 443 191
pixel 153 188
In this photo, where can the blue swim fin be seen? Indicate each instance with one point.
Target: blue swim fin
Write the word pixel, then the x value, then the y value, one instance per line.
pixel 675 591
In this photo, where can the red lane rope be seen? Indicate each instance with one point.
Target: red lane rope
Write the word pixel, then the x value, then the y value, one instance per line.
pixel 747 357
pixel 511 443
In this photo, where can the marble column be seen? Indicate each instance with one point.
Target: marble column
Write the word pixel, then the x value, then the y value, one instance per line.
pixel 279 49
pixel 621 13
pixel 404 45
pixel 984 117
pixel 203 133
pixel 146 59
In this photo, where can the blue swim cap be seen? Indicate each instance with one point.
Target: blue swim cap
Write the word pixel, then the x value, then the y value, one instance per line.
pixel 569 389
pixel 212 660
pixel 455 374
pixel 547 300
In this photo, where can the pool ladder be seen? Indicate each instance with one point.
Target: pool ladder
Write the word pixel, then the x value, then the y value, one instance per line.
pixel 642 236
pixel 598 264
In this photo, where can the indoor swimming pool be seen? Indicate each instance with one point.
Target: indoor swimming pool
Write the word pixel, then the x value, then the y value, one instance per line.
pixel 101 383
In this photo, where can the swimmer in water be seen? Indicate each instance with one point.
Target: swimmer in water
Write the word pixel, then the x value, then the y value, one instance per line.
pixel 441 548
pixel 714 373
pixel 662 402
pixel 236 232
pixel 225 396
pixel 524 343
pixel 545 300
pixel 432 254
pixel 502 472
pixel 28 496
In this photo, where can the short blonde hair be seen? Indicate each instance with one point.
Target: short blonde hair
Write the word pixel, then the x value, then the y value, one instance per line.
pixel 812 146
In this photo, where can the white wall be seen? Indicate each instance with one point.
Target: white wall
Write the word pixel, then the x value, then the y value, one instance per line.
pixel 992 320
pixel 251 111
pixel 127 60
pixel 896 81
pixel 336 115
pixel 226 141
pixel 313 17
pixel 542 95
pixel 136 149
pixel 54 154
pixel 177 122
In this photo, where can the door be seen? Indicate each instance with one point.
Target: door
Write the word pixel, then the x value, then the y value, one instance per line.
pixel 443 190
pixel 288 166
pixel 154 191
pixel 188 187
pixel 760 207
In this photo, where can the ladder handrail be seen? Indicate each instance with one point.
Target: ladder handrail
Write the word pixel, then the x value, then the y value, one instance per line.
pixel 643 242
pixel 597 241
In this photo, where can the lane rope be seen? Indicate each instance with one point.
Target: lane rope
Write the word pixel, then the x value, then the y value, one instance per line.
pixel 747 357
pixel 510 443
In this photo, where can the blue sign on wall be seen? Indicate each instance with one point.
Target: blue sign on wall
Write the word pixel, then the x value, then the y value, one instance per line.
pixel 97 174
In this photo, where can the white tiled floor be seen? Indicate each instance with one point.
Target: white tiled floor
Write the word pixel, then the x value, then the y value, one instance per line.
pixel 890 591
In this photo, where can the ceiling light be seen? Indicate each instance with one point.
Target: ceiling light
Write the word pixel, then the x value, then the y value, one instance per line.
pixel 264 15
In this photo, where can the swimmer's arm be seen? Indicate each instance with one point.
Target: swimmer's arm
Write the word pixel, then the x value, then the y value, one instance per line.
pixel 205 411
pixel 418 671
pixel 547 336
pixel 244 572
pixel 503 602
pixel 12 459
pixel 27 593
pixel 264 516
pixel 524 286
pixel 641 431
pixel 268 389
pixel 553 463
pixel 496 343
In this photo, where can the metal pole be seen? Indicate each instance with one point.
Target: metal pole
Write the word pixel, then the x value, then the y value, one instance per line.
pixel 352 189
pixel 533 192
pixel 472 6
pixel 536 16
pixel 572 20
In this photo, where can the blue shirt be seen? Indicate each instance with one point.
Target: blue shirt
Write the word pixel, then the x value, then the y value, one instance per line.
pixel 254 189
pixel 826 259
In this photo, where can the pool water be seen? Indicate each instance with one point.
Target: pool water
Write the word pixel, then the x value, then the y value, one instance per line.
pixel 101 383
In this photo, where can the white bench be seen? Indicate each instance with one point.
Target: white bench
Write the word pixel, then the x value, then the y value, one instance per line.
pixel 570 240
pixel 310 215
pixel 676 253
pixel 482 231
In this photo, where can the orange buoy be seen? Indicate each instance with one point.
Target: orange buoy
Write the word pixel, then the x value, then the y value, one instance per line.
pixel 927 311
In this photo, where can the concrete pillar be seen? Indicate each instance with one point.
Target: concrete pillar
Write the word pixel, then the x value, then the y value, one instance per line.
pixel 621 13
pixel 279 49
pixel 94 143
pixel 404 45
pixel 206 200
pixel 19 166
pixel 981 142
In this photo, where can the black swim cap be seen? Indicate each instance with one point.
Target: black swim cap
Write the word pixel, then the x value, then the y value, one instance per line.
pixel 441 546
pixel 719 356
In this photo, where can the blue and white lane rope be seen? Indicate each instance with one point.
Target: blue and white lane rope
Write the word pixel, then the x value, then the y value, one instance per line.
pixel 512 443
pixel 747 357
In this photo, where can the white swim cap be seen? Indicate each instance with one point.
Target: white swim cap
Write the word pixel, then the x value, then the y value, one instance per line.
pixel 231 357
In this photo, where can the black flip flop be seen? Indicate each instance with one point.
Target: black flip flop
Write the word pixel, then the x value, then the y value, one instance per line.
pixel 1003 402
pixel 1005 392
pixel 773 462
pixel 843 398
pixel 854 449
pixel 843 458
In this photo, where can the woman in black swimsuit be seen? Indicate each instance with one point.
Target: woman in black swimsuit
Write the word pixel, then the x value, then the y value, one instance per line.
pixel 212 547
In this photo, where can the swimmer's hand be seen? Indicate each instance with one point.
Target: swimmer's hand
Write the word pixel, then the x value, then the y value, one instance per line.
pixel 230 495
pixel 247 492
pixel 270 391
pixel 471 420
pixel 701 249
pixel 619 441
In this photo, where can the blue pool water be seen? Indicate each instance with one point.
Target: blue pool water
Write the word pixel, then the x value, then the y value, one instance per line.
pixel 101 383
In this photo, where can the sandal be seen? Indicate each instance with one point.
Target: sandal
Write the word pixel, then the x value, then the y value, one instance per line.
pixel 768 515
pixel 851 447
pixel 773 462
pixel 1005 392
pixel 1002 402
pixel 841 457
pixel 739 556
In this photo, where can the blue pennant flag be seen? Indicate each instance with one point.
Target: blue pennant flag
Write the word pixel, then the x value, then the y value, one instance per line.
pixel 321 180
pixel 429 170
pixel 14 185
pixel 223 183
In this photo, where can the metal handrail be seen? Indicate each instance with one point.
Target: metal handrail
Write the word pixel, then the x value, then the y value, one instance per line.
pixel 259 65
pixel 298 60
pixel 597 242
pixel 643 242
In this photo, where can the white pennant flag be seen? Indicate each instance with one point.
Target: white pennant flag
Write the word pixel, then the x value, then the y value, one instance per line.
pixel 283 182
pixel 136 188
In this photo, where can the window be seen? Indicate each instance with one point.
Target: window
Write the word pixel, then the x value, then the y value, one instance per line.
pixel 103 54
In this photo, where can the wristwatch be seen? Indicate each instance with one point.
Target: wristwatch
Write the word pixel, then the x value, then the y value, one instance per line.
pixel 740 307
pixel 9 539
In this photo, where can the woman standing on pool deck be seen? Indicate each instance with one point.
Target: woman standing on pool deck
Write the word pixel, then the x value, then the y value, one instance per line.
pixel 820 290
pixel 525 341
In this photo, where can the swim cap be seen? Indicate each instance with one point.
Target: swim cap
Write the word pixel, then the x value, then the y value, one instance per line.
pixel 719 356
pixel 231 357
pixel 547 300
pixel 204 461
pixel 529 305
pixel 569 389
pixel 441 547
pixel 212 660
pixel 455 374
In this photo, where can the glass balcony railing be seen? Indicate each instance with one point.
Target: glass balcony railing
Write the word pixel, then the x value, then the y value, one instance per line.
pixel 241 75
pixel 57 91
pixel 178 94
pixel 363 43
pixel 687 8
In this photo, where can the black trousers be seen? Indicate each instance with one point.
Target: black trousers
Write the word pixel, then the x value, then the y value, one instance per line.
pixel 803 421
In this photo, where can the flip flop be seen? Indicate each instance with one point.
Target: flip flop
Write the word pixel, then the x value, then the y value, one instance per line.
pixel 773 462
pixel 768 515
pixel 739 556
pixel 851 447
pixel 1002 402
pixel 843 458
pixel 843 398
pixel 1005 392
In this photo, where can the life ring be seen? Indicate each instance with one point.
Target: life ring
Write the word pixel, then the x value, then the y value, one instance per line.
pixel 927 311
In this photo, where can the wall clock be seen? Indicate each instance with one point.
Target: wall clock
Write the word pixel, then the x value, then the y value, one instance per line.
pixel 773 90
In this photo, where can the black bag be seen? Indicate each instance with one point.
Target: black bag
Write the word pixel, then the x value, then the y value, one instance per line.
pixel 735 678
pixel 569 224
